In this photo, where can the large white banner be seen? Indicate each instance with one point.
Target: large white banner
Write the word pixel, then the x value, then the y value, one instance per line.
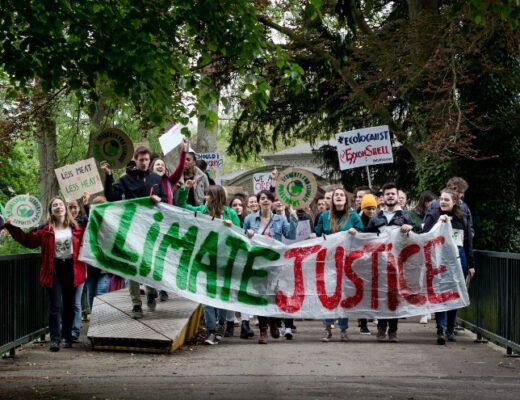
pixel 360 147
pixel 386 276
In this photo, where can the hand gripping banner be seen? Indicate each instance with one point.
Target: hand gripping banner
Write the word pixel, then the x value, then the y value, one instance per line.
pixel 387 276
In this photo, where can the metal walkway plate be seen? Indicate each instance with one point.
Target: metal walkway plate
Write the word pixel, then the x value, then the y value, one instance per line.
pixel 161 331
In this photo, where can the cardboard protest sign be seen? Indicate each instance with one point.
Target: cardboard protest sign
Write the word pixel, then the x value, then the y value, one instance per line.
pixel 77 178
pixel 24 211
pixel 262 181
pixel 296 187
pixel 303 232
pixel 392 275
pixel 171 139
pixel 113 146
pixel 214 162
pixel 361 147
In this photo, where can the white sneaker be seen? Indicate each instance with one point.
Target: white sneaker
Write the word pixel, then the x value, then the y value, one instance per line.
pixel 288 333
pixel 327 335
pixel 344 336
pixel 375 321
pixel 211 339
pixel 424 319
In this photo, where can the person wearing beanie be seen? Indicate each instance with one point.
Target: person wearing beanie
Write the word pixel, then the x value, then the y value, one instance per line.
pixel 368 210
pixel 368 200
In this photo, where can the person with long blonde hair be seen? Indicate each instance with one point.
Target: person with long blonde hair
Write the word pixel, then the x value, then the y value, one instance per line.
pixel 340 217
pixel 61 272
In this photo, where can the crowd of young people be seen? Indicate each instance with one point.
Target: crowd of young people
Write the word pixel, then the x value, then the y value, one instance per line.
pixel 64 276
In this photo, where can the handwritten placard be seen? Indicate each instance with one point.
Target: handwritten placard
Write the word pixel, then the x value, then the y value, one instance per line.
pixel 361 147
pixel 214 162
pixel 262 181
pixel 74 179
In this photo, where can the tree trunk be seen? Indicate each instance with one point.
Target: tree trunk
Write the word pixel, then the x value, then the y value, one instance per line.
pixel 47 143
pixel 207 138
pixel 98 119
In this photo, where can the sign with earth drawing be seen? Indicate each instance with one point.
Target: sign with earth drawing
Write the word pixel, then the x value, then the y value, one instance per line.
pixel 113 146
pixel 24 211
pixel 296 187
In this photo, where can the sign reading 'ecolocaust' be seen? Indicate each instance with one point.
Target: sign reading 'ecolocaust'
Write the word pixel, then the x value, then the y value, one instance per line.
pixel 361 147
pixel 387 276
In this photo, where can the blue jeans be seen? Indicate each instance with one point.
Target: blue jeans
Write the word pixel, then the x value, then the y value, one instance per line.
pixel 212 314
pixel 76 323
pixel 96 285
pixel 61 300
pixel 342 323
pixel 446 319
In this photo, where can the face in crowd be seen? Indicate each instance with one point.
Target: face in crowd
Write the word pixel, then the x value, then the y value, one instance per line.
pixel 390 197
pixel 190 162
pixel 278 207
pixel 402 199
pixel 339 198
pixel 265 203
pixel 252 204
pixel 238 206
pixel 328 199
pixel 321 205
pixel 58 209
pixel 73 208
pixel 446 202
pixel 143 161
pixel 359 197
pixel 159 167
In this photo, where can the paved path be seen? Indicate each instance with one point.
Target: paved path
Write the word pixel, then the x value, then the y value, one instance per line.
pixel 415 368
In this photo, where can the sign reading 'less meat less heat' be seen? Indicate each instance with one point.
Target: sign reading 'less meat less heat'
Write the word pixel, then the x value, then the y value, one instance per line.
pixel 296 187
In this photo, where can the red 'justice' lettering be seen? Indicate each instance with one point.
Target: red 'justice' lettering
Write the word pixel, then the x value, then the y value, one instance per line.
pixel 294 303
pixel 406 292
pixel 329 302
pixel 391 270
pixel 355 299
pixel 431 272
pixel 375 249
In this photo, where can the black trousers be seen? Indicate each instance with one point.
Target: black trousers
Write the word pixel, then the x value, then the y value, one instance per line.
pixel 392 324
pixel 61 298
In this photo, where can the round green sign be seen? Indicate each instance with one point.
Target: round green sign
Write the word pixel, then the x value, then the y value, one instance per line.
pixel 113 146
pixel 24 211
pixel 296 187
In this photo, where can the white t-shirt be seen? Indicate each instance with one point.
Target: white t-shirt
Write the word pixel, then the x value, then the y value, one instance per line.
pixel 63 243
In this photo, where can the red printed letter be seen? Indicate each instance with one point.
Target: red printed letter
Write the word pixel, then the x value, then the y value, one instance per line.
pixel 294 303
pixel 351 301
pixel 330 302
pixel 391 271
pixel 406 253
pixel 375 249
pixel 431 272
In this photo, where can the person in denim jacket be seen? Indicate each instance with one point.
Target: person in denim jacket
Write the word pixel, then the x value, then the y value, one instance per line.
pixel 267 223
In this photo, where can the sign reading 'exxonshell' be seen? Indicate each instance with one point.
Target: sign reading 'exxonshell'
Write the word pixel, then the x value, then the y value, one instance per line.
pixel 360 147
pixel 24 211
pixel 296 187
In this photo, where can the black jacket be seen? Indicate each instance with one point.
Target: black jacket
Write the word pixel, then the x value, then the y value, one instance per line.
pixel 400 218
pixel 432 216
pixel 134 184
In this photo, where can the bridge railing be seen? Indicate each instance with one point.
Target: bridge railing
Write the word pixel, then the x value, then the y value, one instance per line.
pixel 494 292
pixel 494 312
pixel 23 304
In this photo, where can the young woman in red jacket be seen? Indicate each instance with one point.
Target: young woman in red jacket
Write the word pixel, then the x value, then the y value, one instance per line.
pixel 61 273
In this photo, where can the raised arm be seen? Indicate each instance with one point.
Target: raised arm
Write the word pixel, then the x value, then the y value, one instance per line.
pixel 31 239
